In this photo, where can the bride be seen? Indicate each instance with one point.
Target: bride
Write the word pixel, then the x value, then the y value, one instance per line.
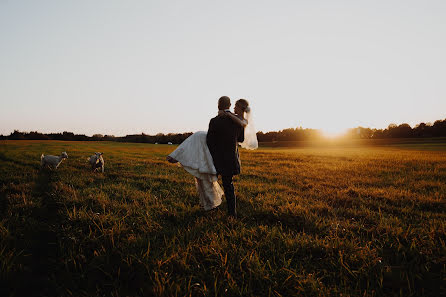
pixel 193 154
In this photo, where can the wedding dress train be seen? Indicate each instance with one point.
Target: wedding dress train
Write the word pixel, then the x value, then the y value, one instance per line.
pixel 193 154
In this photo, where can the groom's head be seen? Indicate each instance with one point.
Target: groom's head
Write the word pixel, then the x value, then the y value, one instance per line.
pixel 224 103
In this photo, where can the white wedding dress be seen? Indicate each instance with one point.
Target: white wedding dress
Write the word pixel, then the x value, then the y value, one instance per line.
pixel 195 157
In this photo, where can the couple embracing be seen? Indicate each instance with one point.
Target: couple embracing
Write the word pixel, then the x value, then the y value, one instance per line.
pixel 206 155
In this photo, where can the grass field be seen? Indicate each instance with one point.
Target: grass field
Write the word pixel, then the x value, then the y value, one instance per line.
pixel 312 222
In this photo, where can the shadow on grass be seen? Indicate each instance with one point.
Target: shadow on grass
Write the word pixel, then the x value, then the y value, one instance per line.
pixel 290 222
pixel 36 236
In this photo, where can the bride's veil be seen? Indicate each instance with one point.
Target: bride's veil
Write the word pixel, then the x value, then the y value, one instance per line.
pixel 250 141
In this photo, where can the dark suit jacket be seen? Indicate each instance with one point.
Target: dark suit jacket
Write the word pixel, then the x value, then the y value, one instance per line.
pixel 222 138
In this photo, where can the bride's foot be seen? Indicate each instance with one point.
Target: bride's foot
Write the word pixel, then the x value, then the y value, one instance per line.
pixel 171 160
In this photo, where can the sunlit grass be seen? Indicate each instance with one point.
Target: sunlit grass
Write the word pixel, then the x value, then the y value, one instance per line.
pixel 313 221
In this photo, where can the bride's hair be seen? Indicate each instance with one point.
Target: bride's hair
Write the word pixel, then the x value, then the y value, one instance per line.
pixel 244 104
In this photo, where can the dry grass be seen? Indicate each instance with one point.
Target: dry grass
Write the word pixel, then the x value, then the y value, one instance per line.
pixel 313 222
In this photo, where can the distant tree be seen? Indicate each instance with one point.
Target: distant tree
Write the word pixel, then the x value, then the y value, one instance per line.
pixel 97 137
pixel 34 135
pixel 439 128
pixel 401 131
pixel 68 136
pixel 422 130
pixel 378 133
pixel 81 137
pixel 361 133
pixel 17 135
pixel 109 138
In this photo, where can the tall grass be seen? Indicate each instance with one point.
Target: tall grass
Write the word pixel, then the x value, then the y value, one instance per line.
pixel 313 222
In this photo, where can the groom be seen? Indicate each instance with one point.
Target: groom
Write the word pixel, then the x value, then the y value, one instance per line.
pixel 222 138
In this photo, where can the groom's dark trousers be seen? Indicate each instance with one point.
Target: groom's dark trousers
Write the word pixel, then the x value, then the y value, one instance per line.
pixel 231 200
pixel 222 138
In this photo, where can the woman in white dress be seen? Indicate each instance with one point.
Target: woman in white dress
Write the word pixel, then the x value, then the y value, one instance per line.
pixel 193 154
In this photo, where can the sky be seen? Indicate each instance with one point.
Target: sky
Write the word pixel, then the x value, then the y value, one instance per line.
pixel 130 67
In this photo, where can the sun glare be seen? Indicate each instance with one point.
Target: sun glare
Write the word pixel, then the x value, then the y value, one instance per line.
pixel 333 132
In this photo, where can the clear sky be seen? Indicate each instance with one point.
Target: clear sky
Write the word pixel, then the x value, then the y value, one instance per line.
pixel 126 67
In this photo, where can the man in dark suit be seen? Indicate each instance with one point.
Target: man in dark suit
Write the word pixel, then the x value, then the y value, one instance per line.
pixel 222 138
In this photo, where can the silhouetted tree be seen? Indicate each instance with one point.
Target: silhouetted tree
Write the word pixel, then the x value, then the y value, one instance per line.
pixel 16 135
pixel 361 133
pixel 439 128
pixel 422 130
pixel 401 131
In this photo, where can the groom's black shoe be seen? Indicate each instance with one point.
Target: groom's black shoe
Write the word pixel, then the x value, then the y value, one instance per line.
pixel 215 209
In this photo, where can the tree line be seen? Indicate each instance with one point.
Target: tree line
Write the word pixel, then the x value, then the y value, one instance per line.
pixel 174 138
pixel 422 130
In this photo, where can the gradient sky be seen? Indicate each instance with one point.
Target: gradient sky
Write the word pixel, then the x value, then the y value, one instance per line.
pixel 126 67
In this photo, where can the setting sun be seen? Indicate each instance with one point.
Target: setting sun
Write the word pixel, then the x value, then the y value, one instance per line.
pixel 333 132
